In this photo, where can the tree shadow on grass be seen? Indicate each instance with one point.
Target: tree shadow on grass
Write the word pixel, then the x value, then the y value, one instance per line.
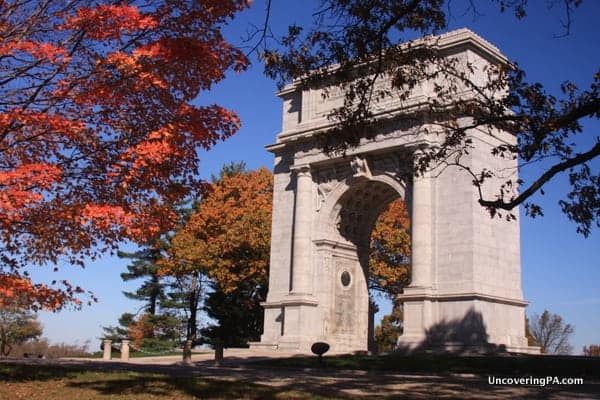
pixel 114 379
pixel 259 382
pixel 289 385
pixel 27 372
pixel 165 386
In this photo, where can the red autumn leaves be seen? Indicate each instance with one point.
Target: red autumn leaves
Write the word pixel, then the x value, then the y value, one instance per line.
pixel 98 131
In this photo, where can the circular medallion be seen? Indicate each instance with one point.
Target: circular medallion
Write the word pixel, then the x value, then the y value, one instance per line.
pixel 346 278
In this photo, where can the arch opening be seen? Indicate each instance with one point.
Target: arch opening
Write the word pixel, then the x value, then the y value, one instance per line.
pixel 372 216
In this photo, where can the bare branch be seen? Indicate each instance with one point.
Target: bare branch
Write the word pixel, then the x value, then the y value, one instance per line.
pixel 262 32
pixel 544 178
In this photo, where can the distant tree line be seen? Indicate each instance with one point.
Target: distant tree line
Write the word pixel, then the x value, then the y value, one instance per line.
pixel 20 334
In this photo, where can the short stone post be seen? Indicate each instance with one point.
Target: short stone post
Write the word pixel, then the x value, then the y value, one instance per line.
pixel 107 350
pixel 125 350
pixel 187 352
pixel 218 352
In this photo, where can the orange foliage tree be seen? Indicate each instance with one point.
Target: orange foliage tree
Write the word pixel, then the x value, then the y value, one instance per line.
pixel 389 261
pixel 228 237
pixel 154 332
pixel 389 268
pixel 98 135
pixel 592 351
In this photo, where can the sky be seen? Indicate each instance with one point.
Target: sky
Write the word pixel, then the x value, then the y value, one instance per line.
pixel 560 268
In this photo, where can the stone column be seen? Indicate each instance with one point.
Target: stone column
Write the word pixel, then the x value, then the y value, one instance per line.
pixel 107 350
pixel 418 308
pixel 301 262
pixel 125 350
pixel 421 232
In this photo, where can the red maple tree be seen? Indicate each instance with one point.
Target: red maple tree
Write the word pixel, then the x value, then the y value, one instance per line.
pixel 98 135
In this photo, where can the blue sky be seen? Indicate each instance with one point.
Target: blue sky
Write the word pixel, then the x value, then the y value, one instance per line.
pixel 560 269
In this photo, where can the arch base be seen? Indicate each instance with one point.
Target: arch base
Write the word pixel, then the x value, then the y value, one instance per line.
pixel 462 323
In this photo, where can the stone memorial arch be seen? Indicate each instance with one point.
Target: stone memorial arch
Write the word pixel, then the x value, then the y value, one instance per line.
pixel 465 286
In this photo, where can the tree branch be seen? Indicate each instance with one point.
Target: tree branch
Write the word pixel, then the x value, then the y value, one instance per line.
pixel 545 177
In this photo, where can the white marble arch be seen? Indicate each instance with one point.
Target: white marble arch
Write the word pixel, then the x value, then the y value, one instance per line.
pixel 343 246
pixel 465 289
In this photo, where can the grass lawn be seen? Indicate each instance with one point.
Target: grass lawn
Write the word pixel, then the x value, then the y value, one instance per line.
pixel 35 382
pixel 412 377
pixel 521 365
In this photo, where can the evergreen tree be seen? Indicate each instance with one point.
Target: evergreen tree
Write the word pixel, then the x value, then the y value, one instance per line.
pixel 238 315
pixel 156 328
pixel 151 292
pixel 229 170
pixel 120 332
pixel 158 332
pixel 144 265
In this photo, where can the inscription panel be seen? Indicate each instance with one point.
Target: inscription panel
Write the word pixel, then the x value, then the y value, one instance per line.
pixel 384 98
pixel 344 306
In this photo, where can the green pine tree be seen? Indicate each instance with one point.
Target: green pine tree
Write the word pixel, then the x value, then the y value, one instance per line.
pixel 144 265
pixel 237 315
pixel 121 331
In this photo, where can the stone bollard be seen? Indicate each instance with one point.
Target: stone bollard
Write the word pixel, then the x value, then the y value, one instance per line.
pixel 125 350
pixel 187 352
pixel 107 350
pixel 218 353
